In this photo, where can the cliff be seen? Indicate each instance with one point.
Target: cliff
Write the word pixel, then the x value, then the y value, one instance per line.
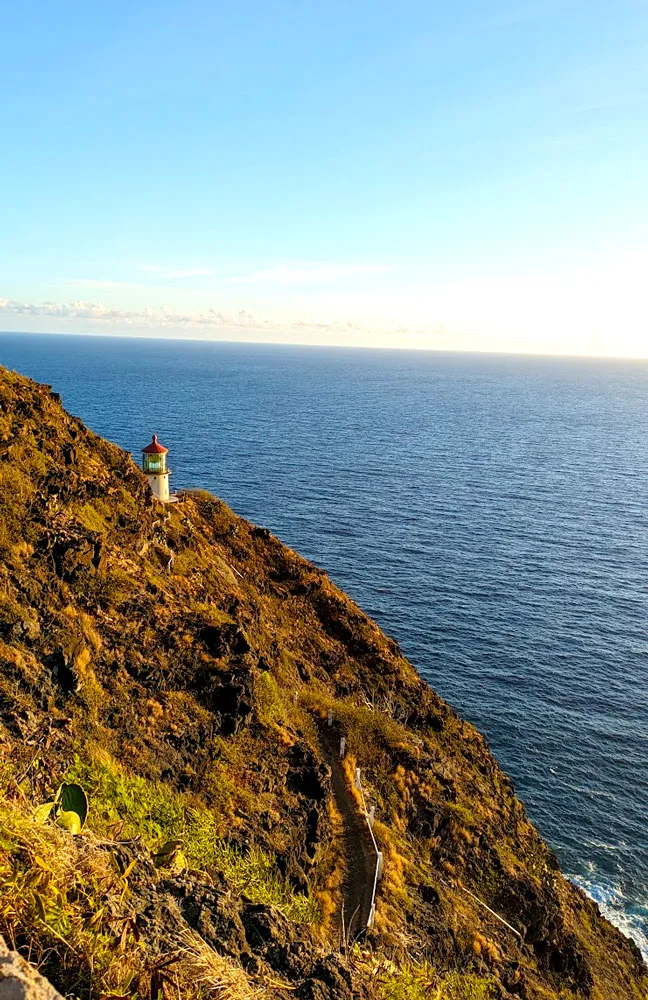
pixel 180 664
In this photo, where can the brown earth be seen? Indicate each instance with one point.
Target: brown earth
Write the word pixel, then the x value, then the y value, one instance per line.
pixel 355 845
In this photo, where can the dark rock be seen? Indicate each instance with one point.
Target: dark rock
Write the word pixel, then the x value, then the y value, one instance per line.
pixel 74 554
pixel 307 776
pixel 58 663
pixel 220 640
pixel 514 981
pixel 329 980
pixel 273 938
pixel 211 912
pixel 227 693
pixel 429 894
pixel 569 962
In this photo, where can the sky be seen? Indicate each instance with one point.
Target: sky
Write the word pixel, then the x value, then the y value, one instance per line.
pixel 466 176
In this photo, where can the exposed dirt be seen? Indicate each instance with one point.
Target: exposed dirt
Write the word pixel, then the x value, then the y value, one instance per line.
pixel 356 844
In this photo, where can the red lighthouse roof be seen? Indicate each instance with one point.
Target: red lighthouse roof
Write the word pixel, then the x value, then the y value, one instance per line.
pixel 154 448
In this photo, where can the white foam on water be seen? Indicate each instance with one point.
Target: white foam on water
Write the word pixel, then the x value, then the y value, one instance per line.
pixel 613 906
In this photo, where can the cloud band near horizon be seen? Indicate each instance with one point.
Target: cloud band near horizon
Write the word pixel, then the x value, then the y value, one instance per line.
pixel 166 318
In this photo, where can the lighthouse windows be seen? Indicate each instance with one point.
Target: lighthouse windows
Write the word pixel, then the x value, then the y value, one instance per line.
pixel 154 463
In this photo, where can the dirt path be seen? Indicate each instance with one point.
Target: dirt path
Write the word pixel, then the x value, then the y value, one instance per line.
pixel 356 846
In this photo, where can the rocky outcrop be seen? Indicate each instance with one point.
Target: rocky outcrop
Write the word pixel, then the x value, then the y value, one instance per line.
pixel 20 981
pixel 190 697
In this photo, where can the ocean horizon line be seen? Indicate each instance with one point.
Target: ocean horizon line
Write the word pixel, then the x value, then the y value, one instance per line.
pixel 374 348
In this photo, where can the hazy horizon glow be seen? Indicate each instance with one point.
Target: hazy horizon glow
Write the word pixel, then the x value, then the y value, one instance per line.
pixel 421 178
pixel 255 337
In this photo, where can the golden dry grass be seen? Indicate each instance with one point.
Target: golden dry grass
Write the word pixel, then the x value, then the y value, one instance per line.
pixel 65 904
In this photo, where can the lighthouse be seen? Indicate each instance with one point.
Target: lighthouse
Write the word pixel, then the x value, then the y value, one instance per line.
pixel 154 466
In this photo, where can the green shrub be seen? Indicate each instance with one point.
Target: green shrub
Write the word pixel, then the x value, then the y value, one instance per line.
pixel 66 907
pixel 369 732
pixel 211 615
pixel 112 588
pixel 90 518
pixel 461 814
pixel 12 614
pixel 158 815
pixel 421 982
pixel 16 495
pixel 57 901
pixel 466 986
pixel 410 982
pixel 269 702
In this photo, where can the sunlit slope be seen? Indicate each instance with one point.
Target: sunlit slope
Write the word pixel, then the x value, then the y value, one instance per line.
pixel 179 664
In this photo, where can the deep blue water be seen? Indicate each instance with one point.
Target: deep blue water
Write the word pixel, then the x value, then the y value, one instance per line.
pixel 489 511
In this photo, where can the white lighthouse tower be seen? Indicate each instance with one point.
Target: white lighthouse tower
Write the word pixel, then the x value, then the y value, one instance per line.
pixel 154 466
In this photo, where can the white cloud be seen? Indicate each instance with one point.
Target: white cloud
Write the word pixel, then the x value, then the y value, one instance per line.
pixel 165 318
pixel 148 316
pixel 595 307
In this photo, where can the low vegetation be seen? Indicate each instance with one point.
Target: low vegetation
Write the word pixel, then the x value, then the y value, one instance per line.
pixel 178 665
pixel 68 894
pixel 130 807
pixel 421 981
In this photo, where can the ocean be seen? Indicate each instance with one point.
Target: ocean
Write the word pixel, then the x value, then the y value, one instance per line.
pixel 490 512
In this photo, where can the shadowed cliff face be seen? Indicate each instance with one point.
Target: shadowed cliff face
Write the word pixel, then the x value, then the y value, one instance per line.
pixel 178 663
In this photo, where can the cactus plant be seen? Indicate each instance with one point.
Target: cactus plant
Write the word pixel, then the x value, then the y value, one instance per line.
pixel 44 811
pixel 70 821
pixel 73 799
pixel 68 810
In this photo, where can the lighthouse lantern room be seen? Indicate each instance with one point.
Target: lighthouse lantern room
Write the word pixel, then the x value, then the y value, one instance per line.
pixel 154 458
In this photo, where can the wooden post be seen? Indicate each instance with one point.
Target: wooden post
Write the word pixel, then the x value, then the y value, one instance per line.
pixel 372 816
pixel 330 717
pixel 342 748
pixel 356 780
pixel 379 864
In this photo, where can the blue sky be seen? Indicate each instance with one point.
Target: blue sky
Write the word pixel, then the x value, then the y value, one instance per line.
pixel 417 174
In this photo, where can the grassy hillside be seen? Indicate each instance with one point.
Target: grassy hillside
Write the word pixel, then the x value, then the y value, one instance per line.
pixel 179 663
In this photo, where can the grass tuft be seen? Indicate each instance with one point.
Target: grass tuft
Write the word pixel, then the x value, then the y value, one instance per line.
pixel 421 981
pixel 62 900
pixel 150 810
